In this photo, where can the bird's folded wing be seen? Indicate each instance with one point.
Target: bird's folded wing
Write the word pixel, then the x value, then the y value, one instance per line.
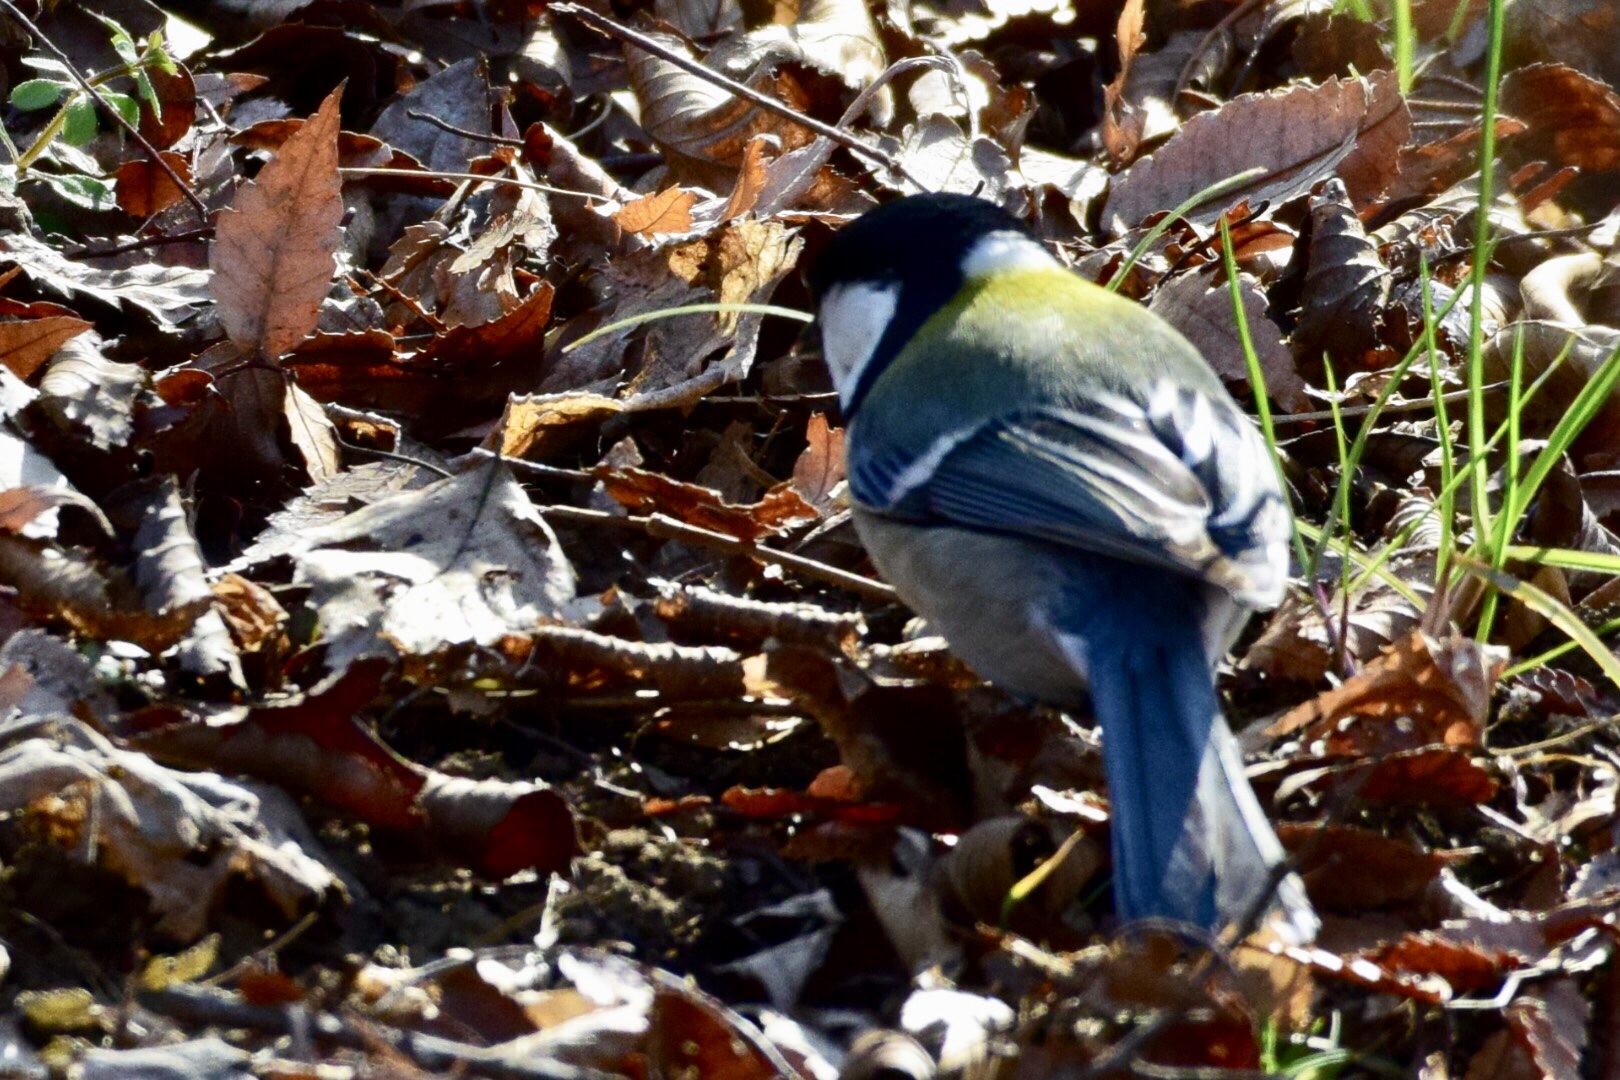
pixel 1099 476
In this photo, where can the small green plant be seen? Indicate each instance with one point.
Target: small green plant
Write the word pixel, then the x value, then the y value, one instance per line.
pixel 1316 1056
pixel 75 122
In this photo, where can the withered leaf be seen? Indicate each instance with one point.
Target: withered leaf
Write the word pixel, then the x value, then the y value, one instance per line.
pixel 667 211
pixel 25 344
pixel 144 189
pixel 651 493
pixel 1572 119
pixel 1297 136
pixel 1423 691
pixel 274 249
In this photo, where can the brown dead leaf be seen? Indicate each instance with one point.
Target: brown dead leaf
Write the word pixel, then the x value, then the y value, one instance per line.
pixel 467 350
pixel 1350 870
pixel 1571 118
pixel 1122 124
pixel 652 493
pixel 1200 306
pixel 536 426
pixel 314 744
pixel 820 469
pixel 667 211
pixel 144 189
pixel 274 249
pixel 25 344
pixel 1299 136
pixel 1422 691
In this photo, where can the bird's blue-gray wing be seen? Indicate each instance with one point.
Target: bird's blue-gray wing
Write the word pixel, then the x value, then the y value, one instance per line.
pixel 1181 483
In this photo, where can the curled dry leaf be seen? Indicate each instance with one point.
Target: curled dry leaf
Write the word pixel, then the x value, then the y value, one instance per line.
pixel 313 744
pixel 182 838
pixel 1423 691
pixel 1123 122
pixel 996 854
pixel 171 575
pixel 820 469
pixel 1200 306
pixel 1346 283
pixel 1351 128
pixel 652 493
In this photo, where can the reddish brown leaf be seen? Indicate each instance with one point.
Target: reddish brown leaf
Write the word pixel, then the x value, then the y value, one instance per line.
pixel 1421 692
pixel 177 97
pixel 651 493
pixel 513 336
pixel 1466 968
pixel 144 189
pixel 1298 136
pixel 1349 869
pixel 25 344
pixel 1435 777
pixel 274 249
pixel 1572 119
pixel 668 211
pixel 315 745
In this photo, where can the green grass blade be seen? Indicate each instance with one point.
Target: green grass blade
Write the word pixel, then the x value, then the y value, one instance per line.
pixel 1549 608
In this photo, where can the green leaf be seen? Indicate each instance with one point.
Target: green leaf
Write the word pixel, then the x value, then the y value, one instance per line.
pixel 121 41
pixel 86 192
pixel 45 63
pixel 156 55
pixel 127 106
pixel 37 94
pixel 1551 609
pixel 81 122
pixel 144 87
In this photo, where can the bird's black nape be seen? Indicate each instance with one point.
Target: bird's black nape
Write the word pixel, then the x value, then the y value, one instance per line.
pixel 917 240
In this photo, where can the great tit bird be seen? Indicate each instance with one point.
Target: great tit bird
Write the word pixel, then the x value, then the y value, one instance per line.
pixel 1058 483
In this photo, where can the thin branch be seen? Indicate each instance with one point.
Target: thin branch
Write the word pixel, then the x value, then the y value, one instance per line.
pixel 160 240
pixel 130 129
pixel 465 133
pixel 430 174
pixel 667 528
pixel 735 88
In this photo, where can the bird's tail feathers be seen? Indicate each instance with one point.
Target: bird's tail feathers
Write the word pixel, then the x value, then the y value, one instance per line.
pixel 1191 842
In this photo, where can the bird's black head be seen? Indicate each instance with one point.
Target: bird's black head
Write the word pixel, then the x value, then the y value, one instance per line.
pixel 886 273
pixel 918 240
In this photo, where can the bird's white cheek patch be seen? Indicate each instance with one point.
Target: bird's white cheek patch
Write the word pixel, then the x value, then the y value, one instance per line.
pixel 853 319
